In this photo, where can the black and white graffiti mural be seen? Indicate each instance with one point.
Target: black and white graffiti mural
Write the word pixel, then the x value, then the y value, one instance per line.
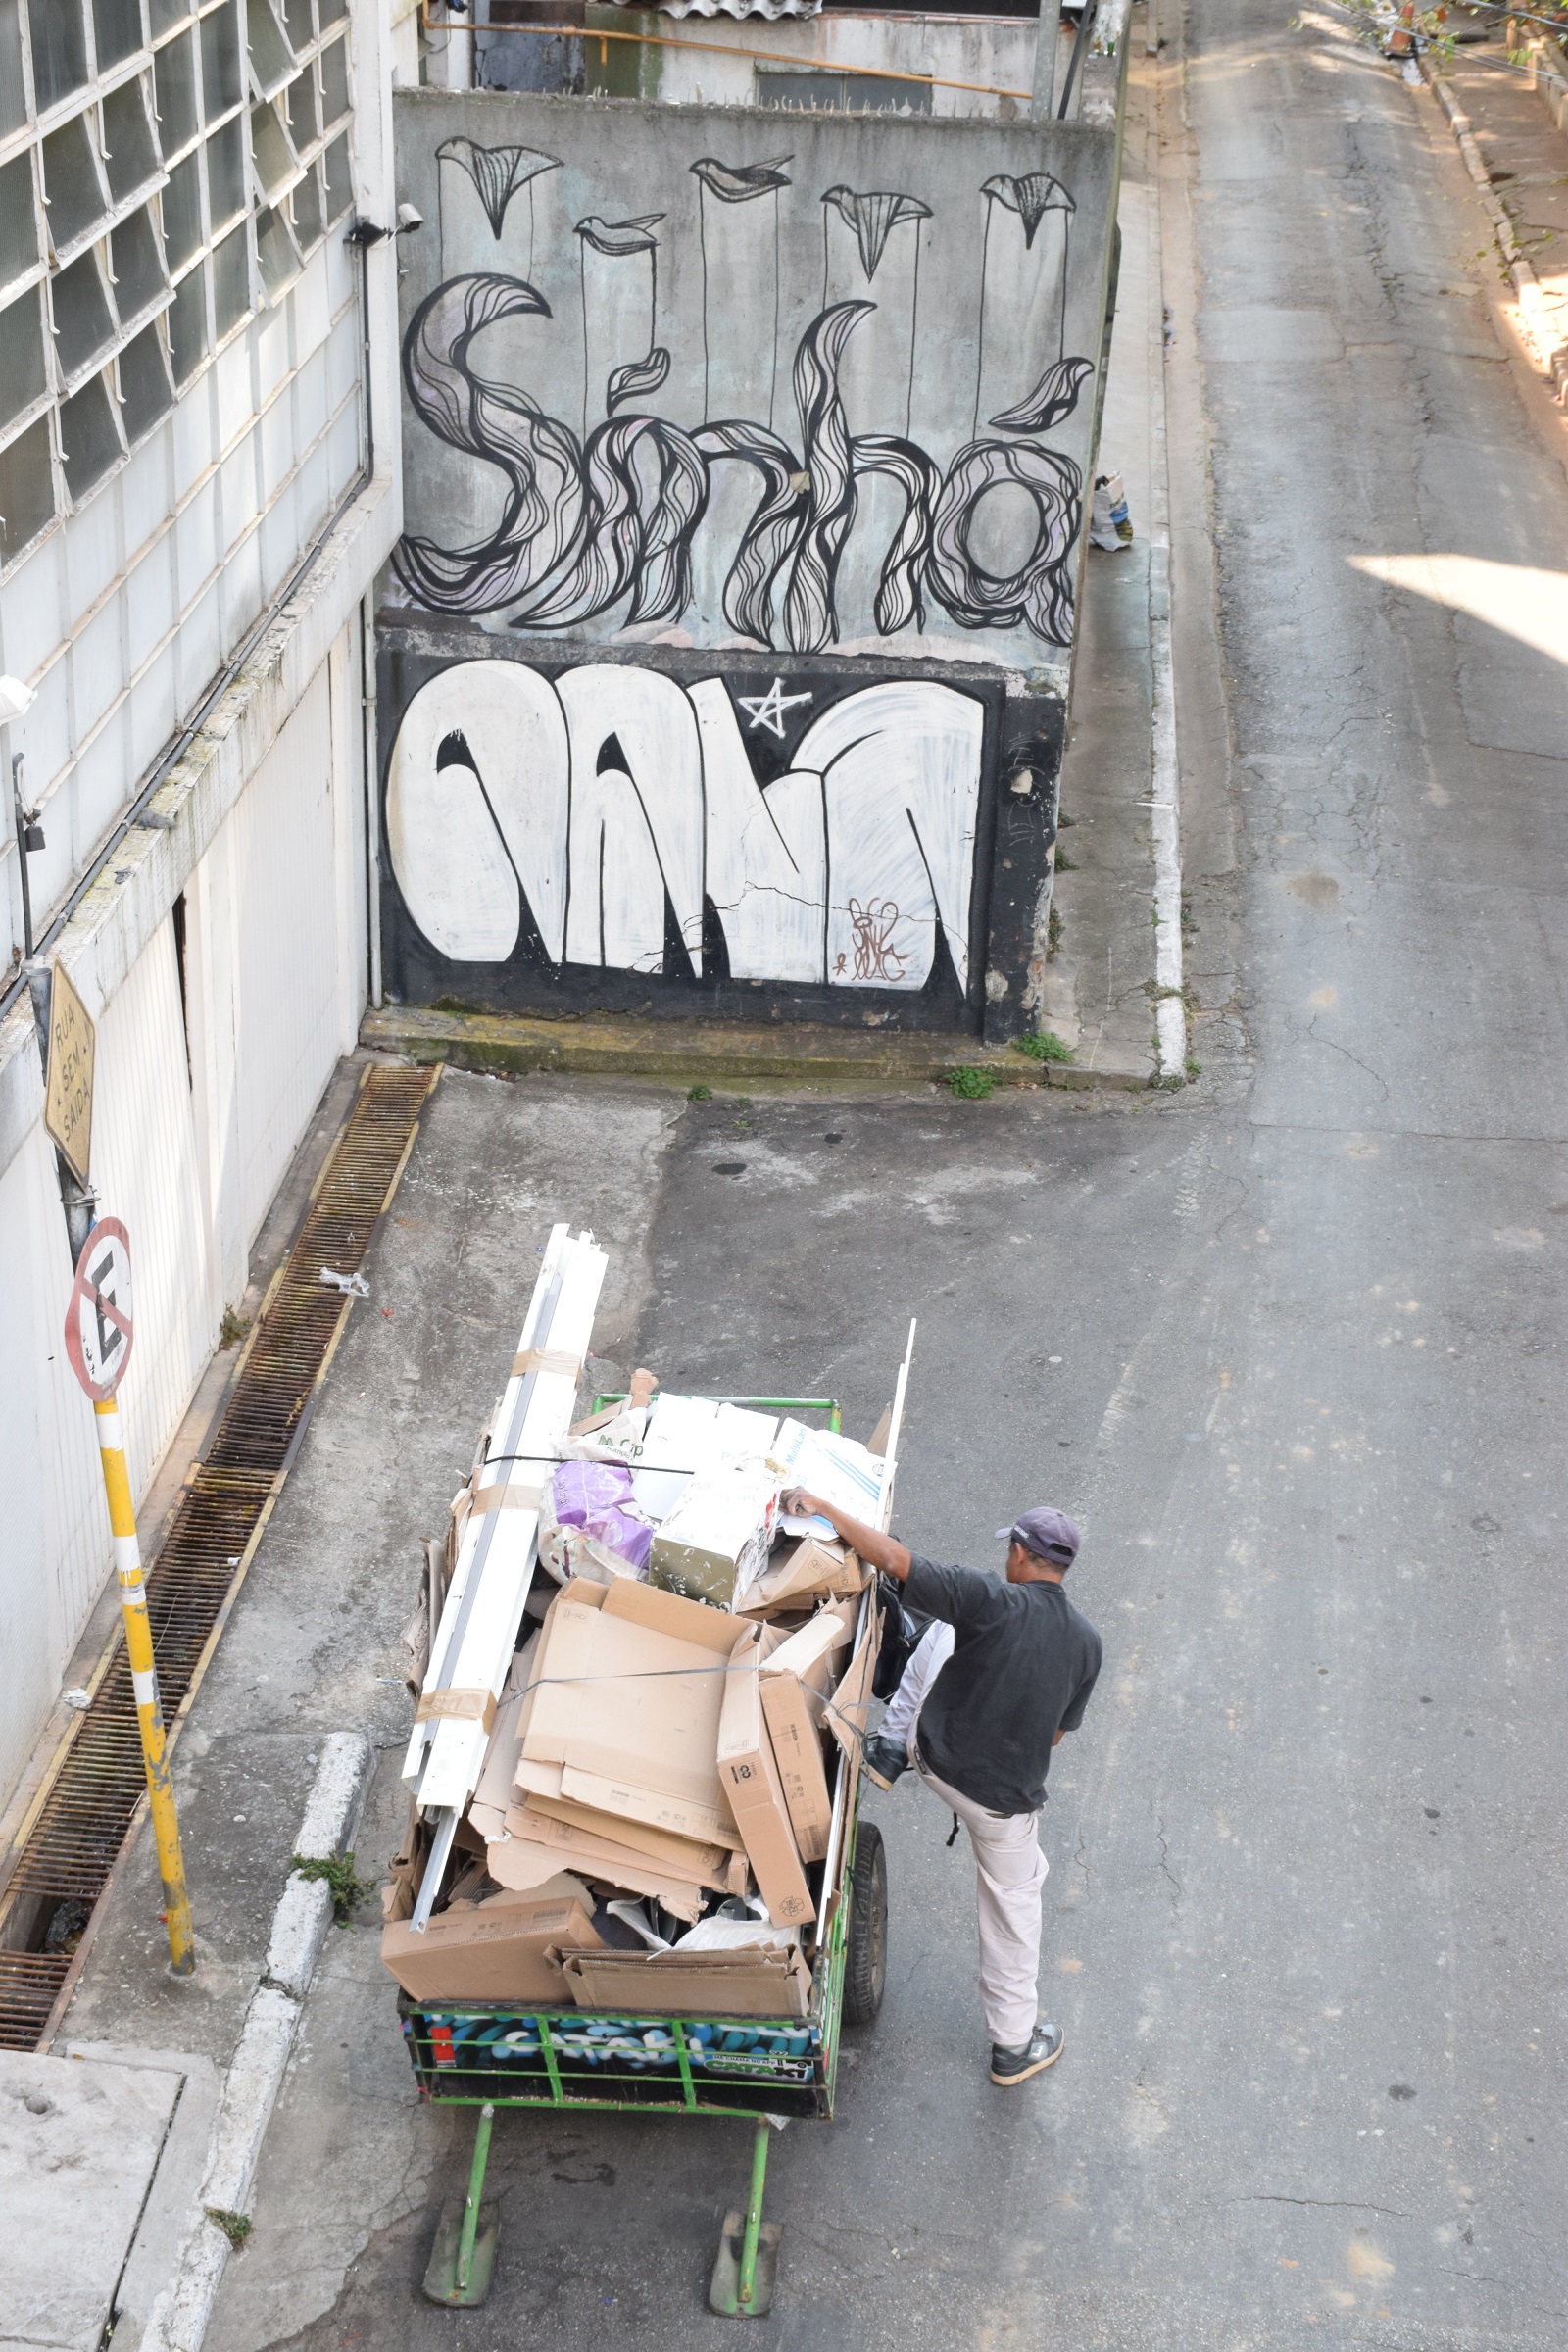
pixel 748 397
pixel 659 833
pixel 582 803
pixel 744 472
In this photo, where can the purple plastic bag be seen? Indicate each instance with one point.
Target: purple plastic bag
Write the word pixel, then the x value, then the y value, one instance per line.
pixel 597 1497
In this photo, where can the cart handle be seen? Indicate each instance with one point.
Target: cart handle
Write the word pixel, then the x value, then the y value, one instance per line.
pixel 777 1404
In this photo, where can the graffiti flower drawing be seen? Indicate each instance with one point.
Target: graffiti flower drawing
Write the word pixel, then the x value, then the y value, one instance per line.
pixel 497 172
pixel 1024 304
pixel 873 218
pixel 1031 198
pixel 739 241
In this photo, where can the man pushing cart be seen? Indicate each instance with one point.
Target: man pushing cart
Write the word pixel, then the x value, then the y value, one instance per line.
pixel 1004 1670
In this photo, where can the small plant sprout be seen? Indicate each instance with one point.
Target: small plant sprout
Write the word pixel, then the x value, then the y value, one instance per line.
pixel 344 1887
pixel 1043 1044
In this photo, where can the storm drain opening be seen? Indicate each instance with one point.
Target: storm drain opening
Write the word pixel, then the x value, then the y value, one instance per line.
pixel 71 1844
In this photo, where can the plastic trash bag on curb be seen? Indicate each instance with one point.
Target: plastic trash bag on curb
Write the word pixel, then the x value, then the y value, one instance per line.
pixel 1109 524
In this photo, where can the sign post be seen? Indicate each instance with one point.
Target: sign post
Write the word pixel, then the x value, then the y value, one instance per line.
pixel 98 1342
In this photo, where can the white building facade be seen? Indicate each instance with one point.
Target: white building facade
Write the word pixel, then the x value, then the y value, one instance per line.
pixel 196 496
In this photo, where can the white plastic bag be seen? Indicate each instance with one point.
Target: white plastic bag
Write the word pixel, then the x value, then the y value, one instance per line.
pixel 1109 524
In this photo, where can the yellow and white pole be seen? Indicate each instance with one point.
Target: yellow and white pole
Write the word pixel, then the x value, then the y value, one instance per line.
pixel 144 1679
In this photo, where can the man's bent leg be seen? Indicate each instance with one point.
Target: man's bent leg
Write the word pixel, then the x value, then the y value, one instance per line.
pixel 926 1661
pixel 1010 1871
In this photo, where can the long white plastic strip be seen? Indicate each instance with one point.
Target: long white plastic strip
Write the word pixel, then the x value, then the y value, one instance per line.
pixel 884 1517
pixel 501 1545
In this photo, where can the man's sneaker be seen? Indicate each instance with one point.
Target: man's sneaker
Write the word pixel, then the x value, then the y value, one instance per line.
pixel 885 1760
pixel 1042 2049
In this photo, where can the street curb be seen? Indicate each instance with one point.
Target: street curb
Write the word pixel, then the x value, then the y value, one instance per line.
pixel 178 2321
pixel 728 1057
pixel 1539 329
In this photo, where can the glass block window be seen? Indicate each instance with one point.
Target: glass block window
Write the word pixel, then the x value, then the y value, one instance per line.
pixel 166 170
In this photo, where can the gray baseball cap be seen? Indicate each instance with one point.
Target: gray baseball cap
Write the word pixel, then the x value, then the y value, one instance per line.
pixel 1049 1535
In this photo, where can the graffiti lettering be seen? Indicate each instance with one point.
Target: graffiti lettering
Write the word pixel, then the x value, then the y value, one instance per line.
pixel 608 801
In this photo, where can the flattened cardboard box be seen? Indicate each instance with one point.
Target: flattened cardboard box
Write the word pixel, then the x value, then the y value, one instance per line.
pixel 851 1703
pixel 797 1676
pixel 622 1712
pixel 759 1984
pixel 801 1575
pixel 756 1793
pixel 675 1857
pixel 794 1719
pixel 494 1951
pixel 539 1846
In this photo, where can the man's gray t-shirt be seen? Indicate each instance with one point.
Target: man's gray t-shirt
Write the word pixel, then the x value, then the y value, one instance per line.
pixel 1024 1665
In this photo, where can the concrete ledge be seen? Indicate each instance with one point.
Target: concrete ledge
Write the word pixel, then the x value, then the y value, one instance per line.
pixel 715 1054
pixel 1539 314
pixel 178 2318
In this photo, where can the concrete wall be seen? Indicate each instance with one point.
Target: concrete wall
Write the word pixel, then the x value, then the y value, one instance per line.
pixel 121 613
pixel 979 65
pixel 206 1077
pixel 755 446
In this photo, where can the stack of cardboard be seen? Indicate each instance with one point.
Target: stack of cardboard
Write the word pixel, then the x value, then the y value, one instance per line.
pixel 654 1760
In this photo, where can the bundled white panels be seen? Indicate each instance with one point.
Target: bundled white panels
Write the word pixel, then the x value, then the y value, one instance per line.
pixel 478 1630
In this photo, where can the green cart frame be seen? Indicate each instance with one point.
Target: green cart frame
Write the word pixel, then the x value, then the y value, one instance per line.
pixel 487 2055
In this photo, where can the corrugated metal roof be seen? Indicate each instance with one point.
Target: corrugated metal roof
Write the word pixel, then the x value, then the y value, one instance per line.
pixel 732 8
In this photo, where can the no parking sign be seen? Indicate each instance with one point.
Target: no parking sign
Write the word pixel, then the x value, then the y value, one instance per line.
pixel 98 1327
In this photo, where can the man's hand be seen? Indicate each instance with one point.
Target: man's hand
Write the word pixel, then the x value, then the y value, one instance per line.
pixel 875 1549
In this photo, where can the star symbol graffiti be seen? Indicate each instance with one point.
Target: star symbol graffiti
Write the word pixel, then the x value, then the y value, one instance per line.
pixel 767 710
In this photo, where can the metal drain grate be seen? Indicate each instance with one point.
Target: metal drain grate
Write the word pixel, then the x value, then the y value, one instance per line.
pixel 73 1840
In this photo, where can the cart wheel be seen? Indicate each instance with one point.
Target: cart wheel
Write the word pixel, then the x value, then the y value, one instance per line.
pixel 865 1966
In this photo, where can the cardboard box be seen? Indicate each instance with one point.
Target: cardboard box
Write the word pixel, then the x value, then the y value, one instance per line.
pixel 622 1712
pixel 813 1651
pixel 756 1791
pixel 715 1540
pixel 502 1950
pixel 717 1984
pixel 487 1807
pixel 850 1704
pixel 406 1869
pixel 802 1573
pixel 797 1673
pixel 529 1858
pixel 677 1857
pixel 794 1716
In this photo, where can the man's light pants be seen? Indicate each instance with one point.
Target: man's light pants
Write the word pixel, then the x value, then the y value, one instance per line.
pixel 1009 1866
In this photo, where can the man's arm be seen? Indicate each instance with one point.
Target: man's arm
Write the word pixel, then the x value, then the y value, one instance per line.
pixel 875 1549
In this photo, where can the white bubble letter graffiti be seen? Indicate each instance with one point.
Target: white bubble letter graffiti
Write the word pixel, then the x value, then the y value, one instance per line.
pixel 766 853
pixel 901 770
pixel 477 809
pixel 636 819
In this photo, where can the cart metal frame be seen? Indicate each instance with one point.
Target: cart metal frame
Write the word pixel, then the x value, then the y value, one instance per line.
pixel 485 2054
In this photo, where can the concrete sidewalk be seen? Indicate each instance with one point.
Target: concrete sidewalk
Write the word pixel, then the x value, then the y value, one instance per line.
pixel 1102 985
pixel 1513 121
pixel 313 1645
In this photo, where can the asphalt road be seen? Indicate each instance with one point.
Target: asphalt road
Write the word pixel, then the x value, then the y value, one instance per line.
pixel 1286 1343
